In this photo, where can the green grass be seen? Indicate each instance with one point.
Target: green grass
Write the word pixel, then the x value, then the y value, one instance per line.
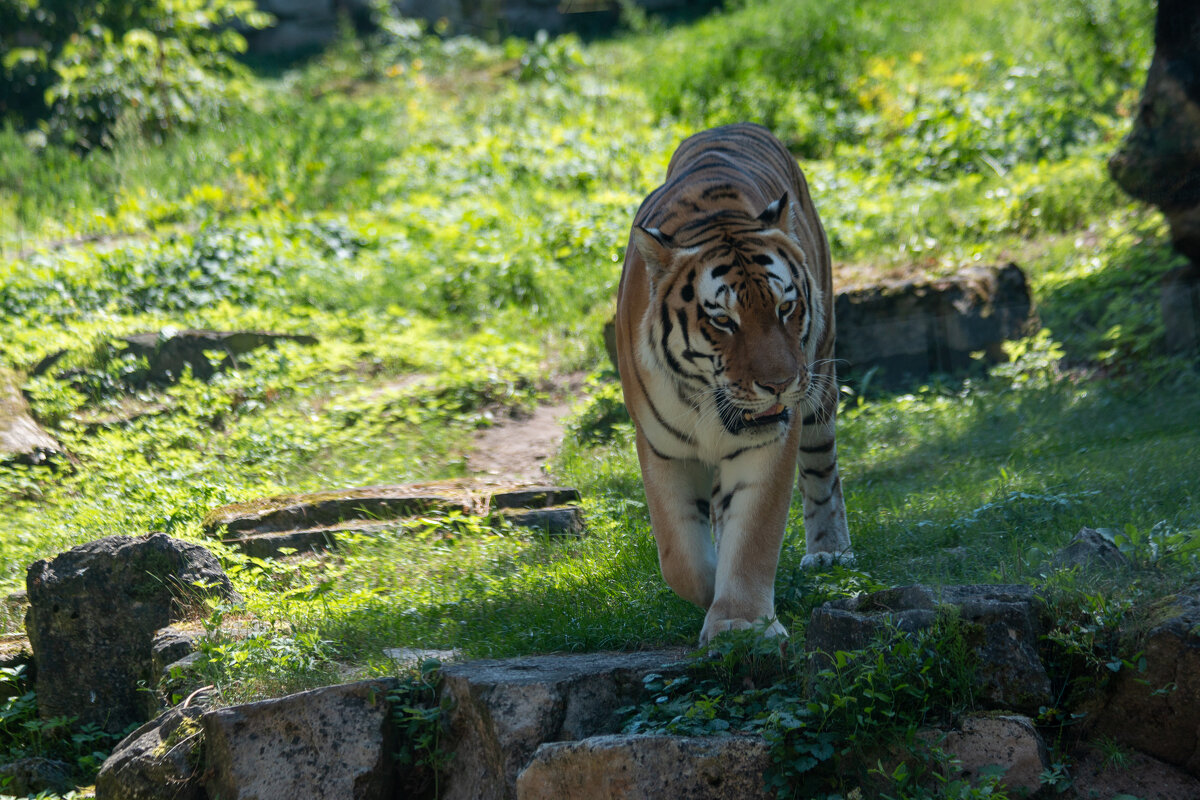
pixel 449 220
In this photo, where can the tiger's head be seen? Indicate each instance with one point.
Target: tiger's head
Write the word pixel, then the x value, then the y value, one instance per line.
pixel 733 312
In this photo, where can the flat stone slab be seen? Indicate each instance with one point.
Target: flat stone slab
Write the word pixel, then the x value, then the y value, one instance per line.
pixel 331 742
pixel 21 439
pixel 502 710
pixel 269 526
pixel 169 352
pixel 648 767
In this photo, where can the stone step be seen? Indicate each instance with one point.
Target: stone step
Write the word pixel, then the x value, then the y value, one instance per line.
pixel 265 528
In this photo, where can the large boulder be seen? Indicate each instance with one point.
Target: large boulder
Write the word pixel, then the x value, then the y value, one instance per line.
pixel 1179 300
pixel 502 711
pixel 159 759
pixel 1004 625
pixel 1159 161
pixel 919 327
pixel 648 767
pixel 21 439
pixel 331 742
pixel 1157 710
pixel 93 614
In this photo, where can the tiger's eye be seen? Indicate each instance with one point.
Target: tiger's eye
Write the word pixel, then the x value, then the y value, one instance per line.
pixel 786 307
pixel 722 320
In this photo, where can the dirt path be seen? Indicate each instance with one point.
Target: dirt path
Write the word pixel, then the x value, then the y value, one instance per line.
pixel 517 450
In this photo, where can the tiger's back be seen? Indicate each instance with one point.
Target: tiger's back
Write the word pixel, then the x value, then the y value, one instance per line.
pixel 725 338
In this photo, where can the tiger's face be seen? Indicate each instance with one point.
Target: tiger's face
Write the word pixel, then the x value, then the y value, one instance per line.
pixel 737 310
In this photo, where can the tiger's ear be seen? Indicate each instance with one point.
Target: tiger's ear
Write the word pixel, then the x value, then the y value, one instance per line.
pixel 778 214
pixel 774 212
pixel 655 248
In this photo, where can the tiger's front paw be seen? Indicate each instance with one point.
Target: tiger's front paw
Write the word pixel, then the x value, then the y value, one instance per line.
pixel 769 629
pixel 827 559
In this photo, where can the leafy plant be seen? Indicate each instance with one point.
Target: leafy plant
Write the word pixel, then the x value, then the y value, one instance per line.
pixel 418 716
pixel 824 722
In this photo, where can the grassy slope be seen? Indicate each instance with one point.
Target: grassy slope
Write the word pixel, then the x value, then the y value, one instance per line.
pixel 459 213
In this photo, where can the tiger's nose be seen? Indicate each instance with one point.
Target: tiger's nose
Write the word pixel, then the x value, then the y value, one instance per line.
pixel 775 387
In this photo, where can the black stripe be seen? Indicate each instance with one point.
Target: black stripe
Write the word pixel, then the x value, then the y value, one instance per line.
pixel 820 448
pixel 822 502
pixel 681 436
pixel 703 507
pixel 748 448
pixel 818 473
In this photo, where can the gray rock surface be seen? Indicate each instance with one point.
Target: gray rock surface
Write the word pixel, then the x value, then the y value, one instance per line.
pixel 269 526
pixel 915 328
pixel 1009 742
pixel 93 614
pixel 1004 627
pixel 22 440
pixel 1157 711
pixel 503 710
pixel 1091 548
pixel 1179 300
pixel 160 759
pixel 169 352
pixel 335 742
pixel 33 775
pixel 625 767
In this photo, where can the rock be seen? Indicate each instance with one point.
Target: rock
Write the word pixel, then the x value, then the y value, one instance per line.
pixel 1004 627
pixel 331 742
pixel 565 521
pixel 1091 548
pixel 169 351
pixel 1159 161
pixel 1179 300
pixel 1095 773
pixel 267 527
pixel 1009 742
pixel 534 497
pixel 22 440
pixel 1157 711
pixel 501 711
pixel 916 328
pixel 93 614
pixel 169 645
pixel 160 759
pixel 27 776
pixel 640 767
pixel 288 513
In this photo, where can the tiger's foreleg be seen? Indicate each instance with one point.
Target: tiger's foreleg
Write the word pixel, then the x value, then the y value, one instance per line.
pixel 750 509
pixel 826 532
pixel 677 492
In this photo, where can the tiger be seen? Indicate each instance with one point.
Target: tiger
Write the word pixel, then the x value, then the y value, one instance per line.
pixel 725 341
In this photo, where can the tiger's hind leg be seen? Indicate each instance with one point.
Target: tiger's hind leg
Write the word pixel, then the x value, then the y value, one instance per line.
pixel 826 532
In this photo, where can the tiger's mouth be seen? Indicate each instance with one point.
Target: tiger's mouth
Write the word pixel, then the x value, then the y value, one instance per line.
pixel 739 420
pixel 776 413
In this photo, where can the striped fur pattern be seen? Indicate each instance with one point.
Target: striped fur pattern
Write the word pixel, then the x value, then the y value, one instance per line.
pixel 725 338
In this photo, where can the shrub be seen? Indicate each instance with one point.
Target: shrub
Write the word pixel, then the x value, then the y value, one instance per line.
pixel 151 67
